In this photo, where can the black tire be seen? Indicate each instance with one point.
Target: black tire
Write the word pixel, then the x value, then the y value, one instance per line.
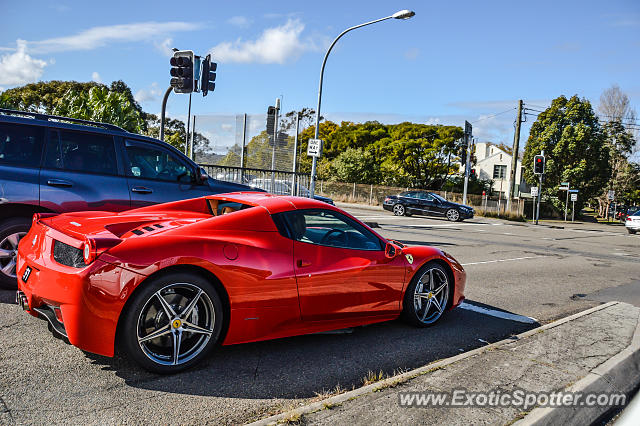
pixel 399 210
pixel 418 316
pixel 631 231
pixel 452 215
pixel 11 230
pixel 146 312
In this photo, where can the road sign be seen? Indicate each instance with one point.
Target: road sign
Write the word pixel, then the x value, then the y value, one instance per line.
pixel 571 191
pixel 534 191
pixel 574 197
pixel 314 149
pixel 611 194
pixel 563 188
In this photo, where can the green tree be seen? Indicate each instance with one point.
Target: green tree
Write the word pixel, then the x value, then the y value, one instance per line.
pixel 100 104
pixel 43 96
pixel 356 165
pixel 574 146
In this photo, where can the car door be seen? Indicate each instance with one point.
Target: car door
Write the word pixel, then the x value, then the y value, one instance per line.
pixel 411 202
pixel 430 205
pixel 81 172
pixel 157 175
pixel 341 269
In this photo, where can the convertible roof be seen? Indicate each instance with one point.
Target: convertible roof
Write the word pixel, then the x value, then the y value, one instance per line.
pixel 273 203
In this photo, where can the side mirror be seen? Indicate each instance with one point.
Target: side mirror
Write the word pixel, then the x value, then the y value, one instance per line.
pixel 202 175
pixel 391 250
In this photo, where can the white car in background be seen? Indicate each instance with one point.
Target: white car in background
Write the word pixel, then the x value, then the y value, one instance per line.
pixel 633 223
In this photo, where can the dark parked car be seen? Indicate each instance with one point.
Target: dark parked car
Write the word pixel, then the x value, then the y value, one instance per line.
pixel 426 203
pixel 53 165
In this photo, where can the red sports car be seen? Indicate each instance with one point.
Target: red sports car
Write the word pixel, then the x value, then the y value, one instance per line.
pixel 165 283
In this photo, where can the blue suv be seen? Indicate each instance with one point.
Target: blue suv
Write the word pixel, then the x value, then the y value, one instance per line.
pixel 54 164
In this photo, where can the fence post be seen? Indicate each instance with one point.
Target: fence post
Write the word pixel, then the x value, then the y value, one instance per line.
pixel 295 152
pixel 370 194
pixel 321 190
pixel 353 195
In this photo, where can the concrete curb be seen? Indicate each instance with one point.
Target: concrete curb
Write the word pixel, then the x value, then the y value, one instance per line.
pixel 391 381
pixel 620 373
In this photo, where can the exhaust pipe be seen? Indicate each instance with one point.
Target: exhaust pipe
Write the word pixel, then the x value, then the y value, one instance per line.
pixel 21 299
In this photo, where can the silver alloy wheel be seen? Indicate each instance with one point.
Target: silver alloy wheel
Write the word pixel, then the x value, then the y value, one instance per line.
pixel 453 215
pixel 175 324
pixel 431 295
pixel 398 210
pixel 9 253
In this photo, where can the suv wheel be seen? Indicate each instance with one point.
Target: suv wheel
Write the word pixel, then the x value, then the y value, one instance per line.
pixel 11 232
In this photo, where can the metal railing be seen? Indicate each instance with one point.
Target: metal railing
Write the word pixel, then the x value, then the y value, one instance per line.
pixel 274 181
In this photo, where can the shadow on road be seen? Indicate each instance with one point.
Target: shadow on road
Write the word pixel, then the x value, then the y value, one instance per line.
pixel 8 296
pixel 300 367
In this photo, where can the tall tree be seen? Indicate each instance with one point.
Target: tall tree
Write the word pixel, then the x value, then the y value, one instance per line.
pixel 615 109
pixel 100 104
pixel 575 149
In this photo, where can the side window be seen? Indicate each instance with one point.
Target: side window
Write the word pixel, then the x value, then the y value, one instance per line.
pixel 329 228
pixel 81 152
pixel 146 161
pixel 20 145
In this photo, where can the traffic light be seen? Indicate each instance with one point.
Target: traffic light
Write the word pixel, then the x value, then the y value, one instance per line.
pixel 208 75
pixel 472 173
pixel 271 121
pixel 538 164
pixel 182 71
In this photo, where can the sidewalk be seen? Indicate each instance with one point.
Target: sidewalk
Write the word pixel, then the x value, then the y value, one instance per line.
pixel 597 350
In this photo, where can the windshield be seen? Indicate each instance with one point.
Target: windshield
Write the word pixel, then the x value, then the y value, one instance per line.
pixel 436 196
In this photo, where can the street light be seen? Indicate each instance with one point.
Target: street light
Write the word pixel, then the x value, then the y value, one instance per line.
pixel 401 14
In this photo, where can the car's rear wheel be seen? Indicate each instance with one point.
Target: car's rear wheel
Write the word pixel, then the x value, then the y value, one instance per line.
pixel 399 210
pixel 11 232
pixel 427 296
pixel 631 231
pixel 453 215
pixel 172 323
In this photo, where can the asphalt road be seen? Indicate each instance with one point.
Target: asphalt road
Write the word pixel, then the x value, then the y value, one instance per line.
pixel 517 272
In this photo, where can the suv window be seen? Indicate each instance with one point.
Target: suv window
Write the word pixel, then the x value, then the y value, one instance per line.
pixel 329 228
pixel 147 161
pixel 81 152
pixel 20 145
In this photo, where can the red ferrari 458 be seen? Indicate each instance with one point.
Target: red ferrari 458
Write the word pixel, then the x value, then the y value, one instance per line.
pixel 164 284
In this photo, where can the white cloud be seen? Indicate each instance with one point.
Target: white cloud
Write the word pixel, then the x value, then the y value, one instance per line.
pixel 149 94
pixel 239 21
pixel 275 45
pixel 19 68
pixel 99 36
pixel 165 47
pixel 96 77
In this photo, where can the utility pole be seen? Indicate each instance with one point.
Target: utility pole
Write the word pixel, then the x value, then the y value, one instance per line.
pixel 275 141
pixel 468 130
pixel 514 159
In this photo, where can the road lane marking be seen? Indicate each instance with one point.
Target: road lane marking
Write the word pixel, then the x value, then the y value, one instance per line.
pixel 498 314
pixel 500 260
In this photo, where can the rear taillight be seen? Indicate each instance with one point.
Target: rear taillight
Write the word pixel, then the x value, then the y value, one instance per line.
pixel 628 218
pixel 88 251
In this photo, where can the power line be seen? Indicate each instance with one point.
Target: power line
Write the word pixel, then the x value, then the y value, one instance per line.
pixel 494 115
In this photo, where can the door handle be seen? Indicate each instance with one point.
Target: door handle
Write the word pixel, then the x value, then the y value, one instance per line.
pixel 59 183
pixel 141 190
pixel 303 263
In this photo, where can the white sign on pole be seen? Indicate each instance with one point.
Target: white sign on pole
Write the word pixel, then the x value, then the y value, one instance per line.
pixel 314 149
pixel 611 194
pixel 574 197
pixel 534 191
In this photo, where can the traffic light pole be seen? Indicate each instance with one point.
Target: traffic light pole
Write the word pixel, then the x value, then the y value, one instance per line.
pixel 539 196
pixel 467 168
pixel 164 109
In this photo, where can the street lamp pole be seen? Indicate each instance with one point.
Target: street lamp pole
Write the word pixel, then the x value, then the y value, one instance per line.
pixel 403 14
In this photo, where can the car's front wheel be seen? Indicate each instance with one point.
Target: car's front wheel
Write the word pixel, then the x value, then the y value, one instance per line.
pixel 453 215
pixel 631 231
pixel 427 296
pixel 172 322
pixel 11 232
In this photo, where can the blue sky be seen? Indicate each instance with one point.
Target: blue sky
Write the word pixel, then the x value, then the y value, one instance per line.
pixel 452 61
